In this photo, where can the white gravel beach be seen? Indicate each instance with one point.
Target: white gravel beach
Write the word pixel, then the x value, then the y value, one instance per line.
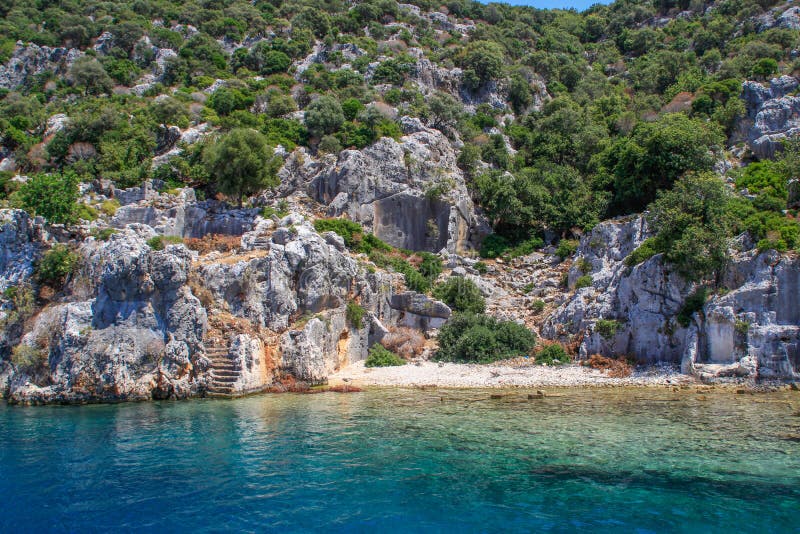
pixel 454 375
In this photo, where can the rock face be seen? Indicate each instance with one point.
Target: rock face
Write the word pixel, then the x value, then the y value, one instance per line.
pixel 130 324
pixel 179 215
pixel 773 116
pixel 751 329
pixel 139 337
pixel 20 243
pixel 29 60
pixel 410 192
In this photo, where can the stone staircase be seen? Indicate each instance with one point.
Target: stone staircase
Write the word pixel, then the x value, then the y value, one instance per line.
pixel 224 373
pixel 262 242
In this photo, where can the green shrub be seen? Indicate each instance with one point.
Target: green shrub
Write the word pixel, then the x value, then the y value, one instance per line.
pixel 481 267
pixel 105 234
pixel 329 144
pixel 583 281
pixel 584 265
pixel 355 313
pixel 645 251
pixel 56 265
pixel 566 248
pixel 693 304
pixel 380 356
pixel 431 266
pixel 110 207
pixel 28 359
pixel 538 306
pixel 53 196
pixel 526 247
pixel 479 338
pixel 552 355
pixel 85 212
pixel 461 294
pixel 742 327
pixel 350 231
pixel 494 245
pixel 159 242
pixel 606 327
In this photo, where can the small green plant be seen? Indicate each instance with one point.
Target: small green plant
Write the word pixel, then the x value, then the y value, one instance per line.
pixel 584 265
pixel 23 303
pixel 649 248
pixel 280 210
pixel 538 306
pixel 741 327
pixel 583 281
pixel 431 266
pixel 566 248
pixel 105 234
pixel 110 207
pixel 527 288
pixel 380 356
pixel 159 242
pixel 481 267
pixel 693 304
pixel 526 247
pixel 552 355
pixel 606 327
pixel 56 265
pixel 85 212
pixel 354 313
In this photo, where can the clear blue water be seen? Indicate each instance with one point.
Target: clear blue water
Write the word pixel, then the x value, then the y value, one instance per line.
pixel 406 460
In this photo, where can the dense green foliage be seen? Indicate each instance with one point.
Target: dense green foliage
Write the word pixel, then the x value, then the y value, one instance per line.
pixel 242 163
pixel 476 338
pixel 638 97
pixel 53 196
pixel 56 265
pixel 553 354
pixel 380 356
pixel 461 294
pixel 693 304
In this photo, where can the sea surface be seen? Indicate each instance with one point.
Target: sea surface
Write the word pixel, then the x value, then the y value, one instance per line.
pixel 598 460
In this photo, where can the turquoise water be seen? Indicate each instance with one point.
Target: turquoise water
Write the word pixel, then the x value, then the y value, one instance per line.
pixel 407 460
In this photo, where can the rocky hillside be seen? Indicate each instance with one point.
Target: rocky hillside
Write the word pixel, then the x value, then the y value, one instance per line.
pixel 215 198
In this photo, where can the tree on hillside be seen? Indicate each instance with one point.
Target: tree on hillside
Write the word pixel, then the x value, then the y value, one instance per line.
pixel 324 116
pixel 89 73
pixel 482 61
pixel 655 155
pixel 52 196
pixel 242 163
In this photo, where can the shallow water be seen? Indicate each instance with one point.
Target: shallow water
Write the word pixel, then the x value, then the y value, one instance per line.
pixel 399 460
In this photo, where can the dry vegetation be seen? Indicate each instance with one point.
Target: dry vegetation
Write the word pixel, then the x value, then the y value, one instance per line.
pixel 405 342
pixel 213 243
pixel 613 367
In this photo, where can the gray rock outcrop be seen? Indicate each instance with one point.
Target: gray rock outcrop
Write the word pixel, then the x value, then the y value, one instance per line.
pixel 30 59
pixel 139 337
pixel 410 193
pixel 772 114
pixel 751 329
